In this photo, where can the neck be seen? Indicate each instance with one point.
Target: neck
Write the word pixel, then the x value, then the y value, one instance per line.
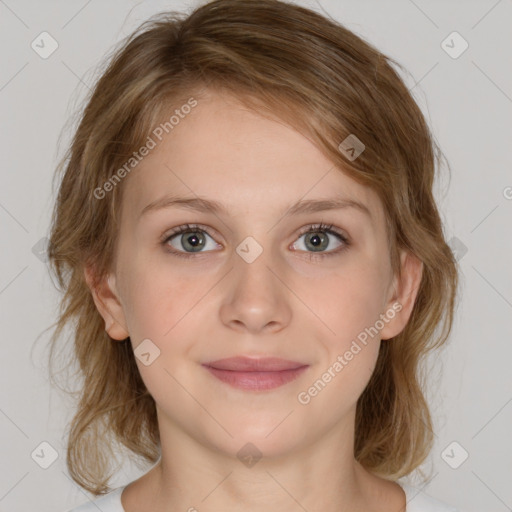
pixel 322 475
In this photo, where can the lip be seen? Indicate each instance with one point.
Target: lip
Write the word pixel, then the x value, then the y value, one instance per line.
pixel 255 374
pixel 252 364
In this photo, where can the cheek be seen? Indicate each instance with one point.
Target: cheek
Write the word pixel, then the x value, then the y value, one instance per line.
pixel 349 300
pixel 350 307
pixel 156 299
pixel 350 303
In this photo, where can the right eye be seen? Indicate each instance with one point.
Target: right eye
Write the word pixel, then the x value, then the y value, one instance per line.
pixel 190 239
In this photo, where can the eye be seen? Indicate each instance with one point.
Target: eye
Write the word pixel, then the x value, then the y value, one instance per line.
pixel 192 238
pixel 317 238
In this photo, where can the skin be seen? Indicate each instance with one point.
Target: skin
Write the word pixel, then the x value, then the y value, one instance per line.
pixel 215 305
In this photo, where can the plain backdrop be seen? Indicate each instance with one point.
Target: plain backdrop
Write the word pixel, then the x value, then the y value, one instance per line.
pixel 467 98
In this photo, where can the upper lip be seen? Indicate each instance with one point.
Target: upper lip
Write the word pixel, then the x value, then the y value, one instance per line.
pixel 248 364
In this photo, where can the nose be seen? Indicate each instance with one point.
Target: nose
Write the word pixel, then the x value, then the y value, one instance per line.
pixel 256 298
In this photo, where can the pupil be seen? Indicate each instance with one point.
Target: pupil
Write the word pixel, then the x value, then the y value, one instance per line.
pixel 192 241
pixel 315 241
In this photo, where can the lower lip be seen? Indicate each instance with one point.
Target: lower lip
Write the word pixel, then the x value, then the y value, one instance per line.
pixel 256 381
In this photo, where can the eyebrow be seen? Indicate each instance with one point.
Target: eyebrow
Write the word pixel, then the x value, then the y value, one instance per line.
pixel 199 204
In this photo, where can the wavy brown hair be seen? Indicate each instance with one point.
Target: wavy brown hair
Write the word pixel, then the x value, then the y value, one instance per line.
pixel 283 60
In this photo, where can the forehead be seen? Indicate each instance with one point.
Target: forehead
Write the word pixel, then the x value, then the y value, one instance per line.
pixel 225 151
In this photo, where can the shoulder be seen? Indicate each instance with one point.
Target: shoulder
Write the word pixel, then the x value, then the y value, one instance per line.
pixel 110 502
pixel 418 501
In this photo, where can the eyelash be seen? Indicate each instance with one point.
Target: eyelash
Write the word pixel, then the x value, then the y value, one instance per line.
pixel 317 228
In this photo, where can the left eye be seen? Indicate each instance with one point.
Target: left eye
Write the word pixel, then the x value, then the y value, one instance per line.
pixel 317 240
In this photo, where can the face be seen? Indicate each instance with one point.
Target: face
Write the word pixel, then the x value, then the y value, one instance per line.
pixel 255 277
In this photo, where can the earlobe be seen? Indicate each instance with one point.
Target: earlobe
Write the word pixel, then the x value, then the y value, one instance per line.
pixel 405 288
pixel 105 296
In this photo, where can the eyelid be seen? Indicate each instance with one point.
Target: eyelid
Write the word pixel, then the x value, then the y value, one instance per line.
pixel 188 227
pixel 321 226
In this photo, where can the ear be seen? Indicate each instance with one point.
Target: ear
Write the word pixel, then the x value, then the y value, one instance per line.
pixel 105 296
pixel 403 294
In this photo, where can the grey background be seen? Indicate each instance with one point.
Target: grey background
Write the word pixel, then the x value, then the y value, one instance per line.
pixel 468 103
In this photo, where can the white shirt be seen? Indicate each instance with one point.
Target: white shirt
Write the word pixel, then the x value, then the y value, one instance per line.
pixel 417 501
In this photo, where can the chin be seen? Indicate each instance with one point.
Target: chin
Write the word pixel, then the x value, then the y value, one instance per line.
pixel 268 439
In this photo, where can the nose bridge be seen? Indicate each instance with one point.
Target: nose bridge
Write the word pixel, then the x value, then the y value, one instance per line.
pixel 256 298
pixel 252 261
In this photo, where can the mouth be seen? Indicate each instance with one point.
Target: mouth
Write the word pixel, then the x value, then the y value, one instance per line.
pixel 255 374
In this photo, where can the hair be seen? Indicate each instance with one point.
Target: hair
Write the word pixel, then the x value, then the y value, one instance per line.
pixel 287 61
